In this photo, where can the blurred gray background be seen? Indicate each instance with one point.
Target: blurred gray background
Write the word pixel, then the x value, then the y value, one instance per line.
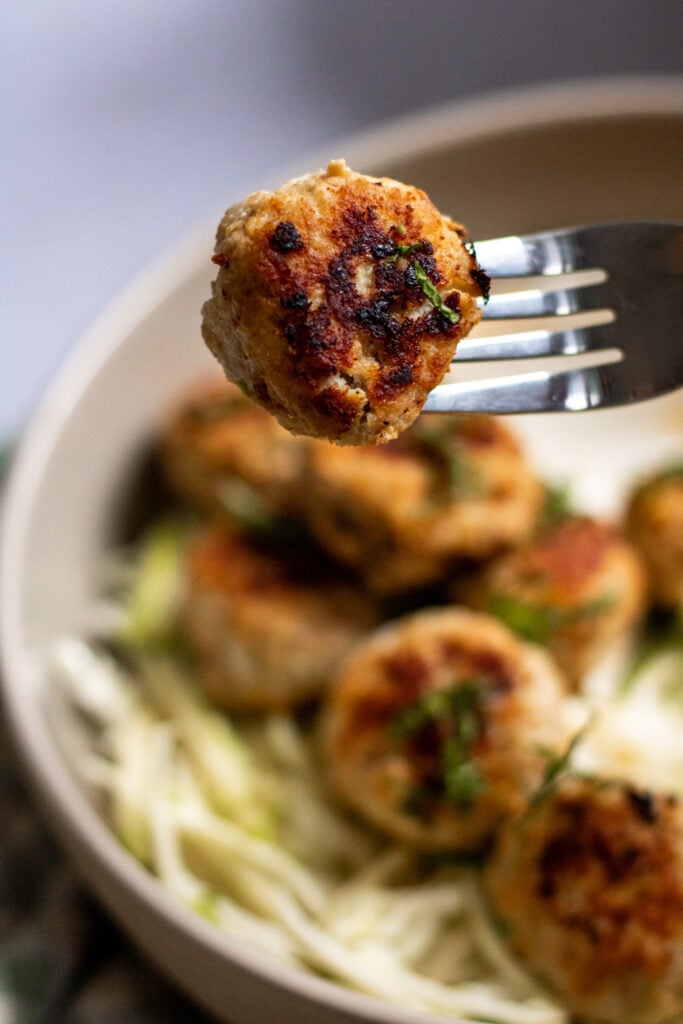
pixel 125 123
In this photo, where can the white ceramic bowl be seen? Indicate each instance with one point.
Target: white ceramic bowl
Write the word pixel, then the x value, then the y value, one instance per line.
pixel 535 159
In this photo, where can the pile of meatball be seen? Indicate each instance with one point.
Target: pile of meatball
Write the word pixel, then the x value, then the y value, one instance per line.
pixel 436 613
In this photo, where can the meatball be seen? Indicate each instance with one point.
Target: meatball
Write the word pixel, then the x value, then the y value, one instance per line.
pixel 588 885
pixel 220 451
pixel 451 487
pixel 654 523
pixel 439 725
pixel 268 631
pixel 575 589
pixel 339 302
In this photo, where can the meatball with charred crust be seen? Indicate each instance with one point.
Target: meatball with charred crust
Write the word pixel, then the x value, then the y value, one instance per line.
pixel 440 725
pixel 575 589
pixel 588 886
pixel 654 523
pixel 222 452
pixel 268 630
pixel 339 302
pixel 450 488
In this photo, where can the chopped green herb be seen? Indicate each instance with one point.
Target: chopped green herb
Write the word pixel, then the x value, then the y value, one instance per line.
pixel 557 505
pixel 462 779
pixel 251 514
pixel 428 287
pixel 460 472
pixel 432 293
pixel 456 711
pixel 662 633
pixel 674 471
pixel 537 622
pixel 558 764
pixel 404 250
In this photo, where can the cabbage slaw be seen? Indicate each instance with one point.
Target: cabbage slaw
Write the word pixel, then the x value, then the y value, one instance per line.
pixel 234 818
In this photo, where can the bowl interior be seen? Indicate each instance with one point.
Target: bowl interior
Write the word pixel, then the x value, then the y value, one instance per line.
pixel 544 176
pixel 101 413
pixel 505 173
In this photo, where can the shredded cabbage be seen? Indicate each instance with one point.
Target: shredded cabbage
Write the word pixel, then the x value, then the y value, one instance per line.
pixel 235 821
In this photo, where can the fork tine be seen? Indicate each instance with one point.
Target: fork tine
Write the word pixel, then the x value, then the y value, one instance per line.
pixel 535 344
pixel 545 252
pixel 565 250
pixel 591 387
pixel 651 361
pixel 534 303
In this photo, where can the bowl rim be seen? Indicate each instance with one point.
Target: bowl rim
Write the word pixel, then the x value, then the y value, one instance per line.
pixel 430 131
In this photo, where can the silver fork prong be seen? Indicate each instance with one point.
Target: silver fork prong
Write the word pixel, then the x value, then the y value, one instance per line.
pixel 542 253
pixel 534 303
pixel 630 304
pixel 537 344
pixel 574 390
pixel 566 391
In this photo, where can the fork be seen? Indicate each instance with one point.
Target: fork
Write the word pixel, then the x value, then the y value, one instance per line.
pixel 638 354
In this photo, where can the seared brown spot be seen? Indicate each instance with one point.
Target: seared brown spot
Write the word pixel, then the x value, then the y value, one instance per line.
pixel 607 872
pixel 318 347
pixel 321 339
pixel 296 300
pixel 569 553
pixel 222 558
pixel 404 676
pixel 285 238
pixel 393 382
pixel 644 804
pixel 408 671
pixel 482 280
pixel 338 406
pixel 478 663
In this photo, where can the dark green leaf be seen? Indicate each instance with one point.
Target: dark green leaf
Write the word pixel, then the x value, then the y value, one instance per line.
pixel 537 622
pixel 432 293
pixel 557 505
pixel 456 711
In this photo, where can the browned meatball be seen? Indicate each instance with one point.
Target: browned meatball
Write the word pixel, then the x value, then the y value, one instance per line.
pixel 654 522
pixel 268 631
pixel 439 725
pixel 451 487
pixel 588 885
pixel 339 302
pixel 220 451
pixel 575 589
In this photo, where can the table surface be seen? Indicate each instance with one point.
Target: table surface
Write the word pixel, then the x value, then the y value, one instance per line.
pixel 125 125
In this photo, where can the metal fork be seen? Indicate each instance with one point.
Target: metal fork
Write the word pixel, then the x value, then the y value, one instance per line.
pixel 638 355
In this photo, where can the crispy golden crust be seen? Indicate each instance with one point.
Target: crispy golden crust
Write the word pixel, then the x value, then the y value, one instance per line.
pixel 503 704
pixel 589 884
pixel 575 589
pixel 319 309
pixel 654 523
pixel 218 448
pixel 450 487
pixel 268 631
